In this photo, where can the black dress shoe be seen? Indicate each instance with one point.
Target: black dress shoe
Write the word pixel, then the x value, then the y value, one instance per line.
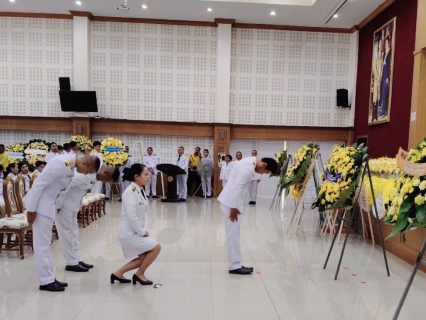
pixel 76 268
pixel 251 202
pixel 119 200
pixel 254 203
pixel 241 271
pixel 61 284
pixel 52 287
pixel 121 280
pixel 85 265
pixel 247 268
pixel 144 283
pixel 155 197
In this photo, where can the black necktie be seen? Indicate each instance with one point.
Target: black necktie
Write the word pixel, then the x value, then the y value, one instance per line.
pixel 178 159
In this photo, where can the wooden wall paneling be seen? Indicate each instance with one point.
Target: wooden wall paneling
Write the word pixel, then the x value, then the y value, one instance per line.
pixel 375 13
pixel 82 127
pixel 36 15
pixel 291 133
pixel 152 128
pixel 46 124
pixel 292 28
pixel 222 144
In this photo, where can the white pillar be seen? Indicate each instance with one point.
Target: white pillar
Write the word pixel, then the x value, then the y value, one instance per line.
pixel 224 38
pixel 82 42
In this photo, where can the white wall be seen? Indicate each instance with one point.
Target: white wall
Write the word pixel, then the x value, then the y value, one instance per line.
pixel 8 137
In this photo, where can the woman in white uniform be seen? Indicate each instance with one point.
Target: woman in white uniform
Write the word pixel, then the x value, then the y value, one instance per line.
pixel 132 231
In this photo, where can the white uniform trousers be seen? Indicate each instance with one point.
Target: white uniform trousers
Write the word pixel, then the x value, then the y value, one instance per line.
pixel 181 187
pixel 253 190
pixel 108 190
pixel 42 237
pixel 224 183
pixel 97 187
pixel 207 186
pixel 235 256
pixel 67 225
pixel 152 185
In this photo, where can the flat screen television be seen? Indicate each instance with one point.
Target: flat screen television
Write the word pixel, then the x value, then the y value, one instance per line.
pixel 78 101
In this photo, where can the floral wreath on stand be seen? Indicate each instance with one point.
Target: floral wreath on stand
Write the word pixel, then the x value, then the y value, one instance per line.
pixel 405 200
pixel 113 152
pixel 384 165
pixel 295 175
pixel 16 152
pixel 281 159
pixel 85 145
pixel 36 151
pixel 342 178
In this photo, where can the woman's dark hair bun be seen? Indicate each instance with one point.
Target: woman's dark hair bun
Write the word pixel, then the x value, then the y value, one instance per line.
pixel 129 173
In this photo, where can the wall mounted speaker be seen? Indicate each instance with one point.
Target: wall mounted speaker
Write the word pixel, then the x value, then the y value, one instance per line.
pixel 342 98
pixel 64 84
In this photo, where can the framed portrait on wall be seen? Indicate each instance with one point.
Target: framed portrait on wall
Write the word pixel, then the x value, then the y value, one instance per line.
pixel 382 74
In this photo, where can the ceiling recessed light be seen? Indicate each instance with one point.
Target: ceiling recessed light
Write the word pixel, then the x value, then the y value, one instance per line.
pixel 144 6
pixel 209 10
pixel 336 16
pixel 78 3
pixel 273 13
pixel 11 0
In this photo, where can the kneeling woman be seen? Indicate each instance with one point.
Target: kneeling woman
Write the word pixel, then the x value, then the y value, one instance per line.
pixel 132 231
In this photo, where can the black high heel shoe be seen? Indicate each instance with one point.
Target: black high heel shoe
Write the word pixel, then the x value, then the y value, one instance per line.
pixel 115 278
pixel 144 283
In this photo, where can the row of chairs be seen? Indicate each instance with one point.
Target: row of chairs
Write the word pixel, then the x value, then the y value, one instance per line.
pixel 15 232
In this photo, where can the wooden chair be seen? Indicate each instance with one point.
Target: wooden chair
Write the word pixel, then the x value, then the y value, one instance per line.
pixel 15 223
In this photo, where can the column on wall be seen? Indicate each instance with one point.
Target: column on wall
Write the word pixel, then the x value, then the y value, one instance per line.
pixel 418 98
pixel 224 37
pixel 222 144
pixel 82 63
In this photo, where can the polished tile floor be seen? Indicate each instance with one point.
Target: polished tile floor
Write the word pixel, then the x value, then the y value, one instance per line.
pixel 288 283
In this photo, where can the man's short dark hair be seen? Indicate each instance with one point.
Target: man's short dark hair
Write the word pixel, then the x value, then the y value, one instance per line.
pixel 51 144
pixel 73 144
pixel 1 145
pixel 116 175
pixel 206 150
pixel 271 164
pixel 97 143
pixel 39 163
pixel 66 146
pixel 97 164
pixel 1 167
pixel 60 147
pixel 149 148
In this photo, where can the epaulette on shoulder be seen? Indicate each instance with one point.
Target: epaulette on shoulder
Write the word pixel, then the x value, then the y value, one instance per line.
pixel 133 189
pixel 68 163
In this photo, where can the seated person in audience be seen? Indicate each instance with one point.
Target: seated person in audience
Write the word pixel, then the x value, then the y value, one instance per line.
pixel 39 168
pixel 74 147
pixel 13 171
pixel 4 158
pixel 53 151
pixel 67 148
pixel 60 149
pixel 225 170
pixel 133 229
pixel 25 171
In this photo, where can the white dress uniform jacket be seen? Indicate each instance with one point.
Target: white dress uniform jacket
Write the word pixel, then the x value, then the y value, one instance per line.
pixel 41 199
pixel 235 191
pixel 134 223
pixel 50 156
pixel 182 162
pixel 206 181
pixel 225 171
pixel 253 186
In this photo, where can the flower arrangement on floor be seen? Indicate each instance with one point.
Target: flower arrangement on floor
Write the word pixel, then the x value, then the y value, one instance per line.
pixel 281 161
pixel 341 178
pixel 405 200
pixel 113 152
pixel 85 145
pixel 384 165
pixel 296 174
pixel 36 151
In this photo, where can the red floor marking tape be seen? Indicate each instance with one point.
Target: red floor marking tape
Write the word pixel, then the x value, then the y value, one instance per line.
pixel 345 268
pixel 353 275
pixel 363 282
pixel 258 272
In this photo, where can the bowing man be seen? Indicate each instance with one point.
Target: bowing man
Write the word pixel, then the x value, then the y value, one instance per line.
pixel 68 204
pixel 41 210
pixel 232 199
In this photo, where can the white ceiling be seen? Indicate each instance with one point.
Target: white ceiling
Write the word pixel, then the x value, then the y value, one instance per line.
pixel 352 13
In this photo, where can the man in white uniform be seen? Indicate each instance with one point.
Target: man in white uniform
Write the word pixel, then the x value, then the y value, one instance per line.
pixel 206 181
pixel 182 162
pixel 74 147
pixel 150 161
pixel 41 210
pixel 97 187
pixel 253 183
pixel 68 205
pixel 232 200
pixel 53 151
